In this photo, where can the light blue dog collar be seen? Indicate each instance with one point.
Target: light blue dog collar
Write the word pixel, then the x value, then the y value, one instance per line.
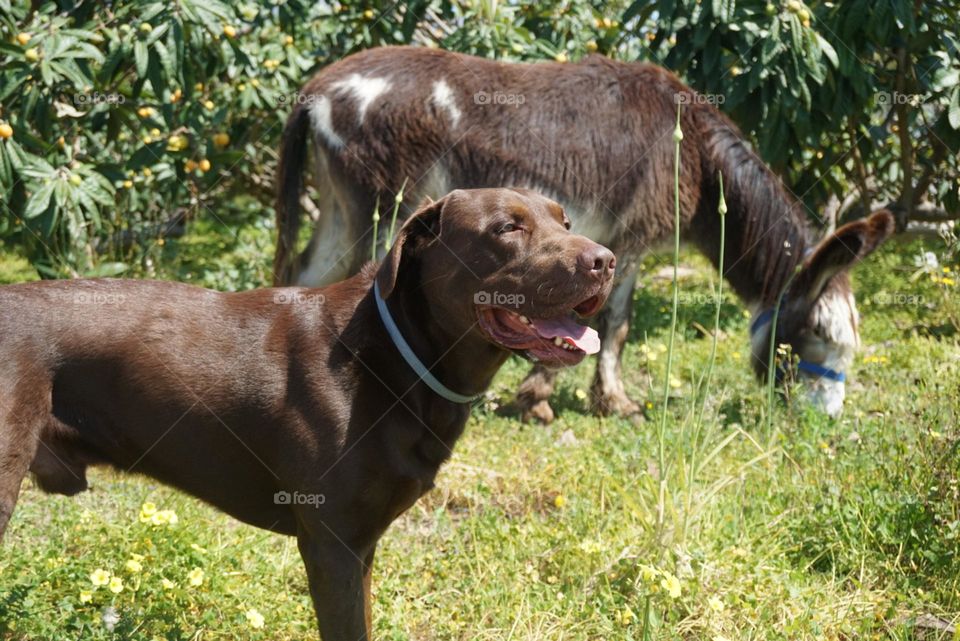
pixel 415 363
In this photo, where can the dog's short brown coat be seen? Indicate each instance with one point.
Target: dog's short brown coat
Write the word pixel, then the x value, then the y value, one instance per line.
pixel 236 397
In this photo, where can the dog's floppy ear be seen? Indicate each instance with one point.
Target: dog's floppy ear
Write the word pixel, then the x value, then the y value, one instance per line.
pixel 840 251
pixel 421 229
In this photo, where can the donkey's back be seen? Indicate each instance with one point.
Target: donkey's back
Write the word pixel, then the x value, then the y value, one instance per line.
pixel 594 135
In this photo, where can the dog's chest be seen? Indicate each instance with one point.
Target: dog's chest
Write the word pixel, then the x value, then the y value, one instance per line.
pixel 423 444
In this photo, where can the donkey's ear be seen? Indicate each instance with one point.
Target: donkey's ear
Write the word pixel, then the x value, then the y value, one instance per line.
pixel 840 251
pixel 421 229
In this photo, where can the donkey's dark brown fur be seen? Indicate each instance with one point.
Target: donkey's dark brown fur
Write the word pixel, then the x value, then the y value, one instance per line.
pixel 595 135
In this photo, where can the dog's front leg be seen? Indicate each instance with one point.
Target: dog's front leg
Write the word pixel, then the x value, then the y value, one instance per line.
pixel 336 576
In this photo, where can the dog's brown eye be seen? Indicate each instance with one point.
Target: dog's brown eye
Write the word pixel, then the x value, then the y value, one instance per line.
pixel 566 224
pixel 509 227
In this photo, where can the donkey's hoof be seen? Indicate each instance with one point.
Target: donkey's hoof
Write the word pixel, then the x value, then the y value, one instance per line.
pixel 610 404
pixel 539 412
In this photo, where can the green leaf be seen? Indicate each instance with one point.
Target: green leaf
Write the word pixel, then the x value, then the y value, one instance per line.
pixel 157 33
pixel 69 70
pixel 166 61
pixel 13 84
pixel 105 270
pixel 40 200
pixel 953 113
pixel 828 50
pixel 151 11
pixel 6 170
pixel 97 192
pixel 141 55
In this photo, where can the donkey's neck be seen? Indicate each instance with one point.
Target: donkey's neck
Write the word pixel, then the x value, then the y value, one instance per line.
pixel 767 235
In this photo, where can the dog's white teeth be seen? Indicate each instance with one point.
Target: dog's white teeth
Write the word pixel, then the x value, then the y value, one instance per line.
pixel 524 319
pixel 558 342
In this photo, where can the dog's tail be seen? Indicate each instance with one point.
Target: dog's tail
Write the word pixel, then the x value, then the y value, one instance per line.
pixel 293 155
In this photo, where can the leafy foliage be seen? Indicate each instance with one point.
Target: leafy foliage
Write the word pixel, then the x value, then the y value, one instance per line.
pixel 118 125
pixel 866 87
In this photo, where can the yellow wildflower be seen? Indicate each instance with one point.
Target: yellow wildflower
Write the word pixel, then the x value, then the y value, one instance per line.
pixel 133 566
pixel 559 501
pixel 99 577
pixel 147 510
pixel 195 577
pixel 167 584
pixel 649 573
pixel 86 596
pixel 671 584
pixel 254 619
pixel 164 517
pixel 116 585
pixel 624 616
pixel 715 603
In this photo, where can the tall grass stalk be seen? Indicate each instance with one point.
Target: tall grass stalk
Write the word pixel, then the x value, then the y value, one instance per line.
pixel 661 435
pixel 398 199
pixel 771 357
pixel 705 381
pixel 376 225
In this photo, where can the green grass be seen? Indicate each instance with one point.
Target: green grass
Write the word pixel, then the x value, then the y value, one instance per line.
pixel 812 529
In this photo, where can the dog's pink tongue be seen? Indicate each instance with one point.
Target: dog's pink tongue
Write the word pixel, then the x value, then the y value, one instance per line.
pixel 569 330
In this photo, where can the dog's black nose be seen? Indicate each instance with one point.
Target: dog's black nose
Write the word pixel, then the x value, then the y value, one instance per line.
pixel 598 260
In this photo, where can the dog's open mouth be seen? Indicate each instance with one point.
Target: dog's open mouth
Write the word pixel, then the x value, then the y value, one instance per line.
pixel 559 340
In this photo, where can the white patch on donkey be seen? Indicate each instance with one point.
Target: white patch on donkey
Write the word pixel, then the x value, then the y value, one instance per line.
pixel 321 121
pixel 443 96
pixel 835 315
pixel 364 90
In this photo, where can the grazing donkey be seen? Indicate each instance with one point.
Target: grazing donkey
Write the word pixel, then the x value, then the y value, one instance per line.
pixel 595 136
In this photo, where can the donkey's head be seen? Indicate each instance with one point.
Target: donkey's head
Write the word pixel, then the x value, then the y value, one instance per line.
pixel 818 315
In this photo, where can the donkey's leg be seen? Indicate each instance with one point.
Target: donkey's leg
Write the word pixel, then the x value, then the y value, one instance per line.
pixel 340 242
pixel 532 400
pixel 334 247
pixel 23 408
pixel 607 392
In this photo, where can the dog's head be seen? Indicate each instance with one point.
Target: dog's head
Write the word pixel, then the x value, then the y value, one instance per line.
pixel 502 263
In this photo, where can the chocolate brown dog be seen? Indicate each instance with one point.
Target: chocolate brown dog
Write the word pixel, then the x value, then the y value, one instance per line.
pixel 319 413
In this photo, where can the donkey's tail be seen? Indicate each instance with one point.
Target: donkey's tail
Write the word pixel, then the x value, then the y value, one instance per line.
pixel 293 155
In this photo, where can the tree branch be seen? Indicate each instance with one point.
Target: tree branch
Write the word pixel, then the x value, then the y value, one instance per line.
pixel 903 130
